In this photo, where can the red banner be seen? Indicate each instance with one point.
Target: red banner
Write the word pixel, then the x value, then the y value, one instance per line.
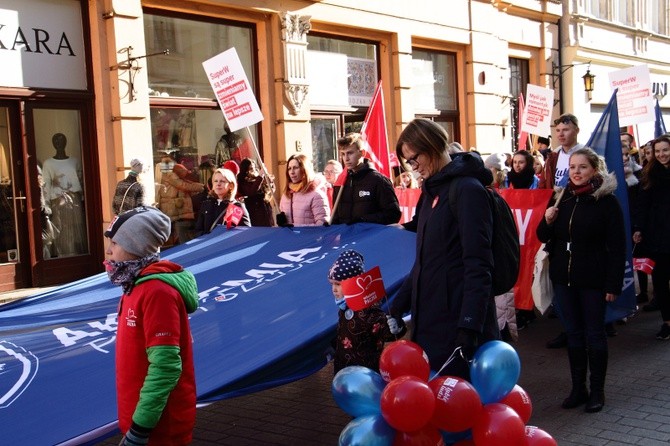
pixel 375 134
pixel 528 207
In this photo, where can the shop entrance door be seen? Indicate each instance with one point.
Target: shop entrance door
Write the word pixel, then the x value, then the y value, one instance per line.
pixel 14 245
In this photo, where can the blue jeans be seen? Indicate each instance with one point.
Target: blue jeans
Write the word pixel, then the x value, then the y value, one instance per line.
pixel 582 313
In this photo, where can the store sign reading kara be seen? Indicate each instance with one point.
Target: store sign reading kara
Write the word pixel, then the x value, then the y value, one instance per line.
pixel 42 44
pixel 39 41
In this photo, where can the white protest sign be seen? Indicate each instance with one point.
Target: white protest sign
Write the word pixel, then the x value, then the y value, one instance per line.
pixel 536 119
pixel 232 90
pixel 634 98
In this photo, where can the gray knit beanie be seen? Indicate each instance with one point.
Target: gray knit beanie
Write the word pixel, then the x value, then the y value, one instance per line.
pixel 140 231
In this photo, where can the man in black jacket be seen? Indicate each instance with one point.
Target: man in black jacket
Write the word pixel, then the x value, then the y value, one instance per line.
pixel 366 195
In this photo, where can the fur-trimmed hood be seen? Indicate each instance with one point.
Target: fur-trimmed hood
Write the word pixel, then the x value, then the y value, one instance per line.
pixel 608 187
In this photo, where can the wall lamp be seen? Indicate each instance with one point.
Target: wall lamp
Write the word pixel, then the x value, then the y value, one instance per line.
pixel 557 72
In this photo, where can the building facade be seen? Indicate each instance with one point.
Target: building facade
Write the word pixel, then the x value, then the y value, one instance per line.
pixel 94 84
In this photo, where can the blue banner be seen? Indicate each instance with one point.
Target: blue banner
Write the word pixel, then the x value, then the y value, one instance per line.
pixel 266 317
pixel 605 140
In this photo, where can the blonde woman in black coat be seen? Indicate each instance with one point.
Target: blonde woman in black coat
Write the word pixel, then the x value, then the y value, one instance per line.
pixel 585 236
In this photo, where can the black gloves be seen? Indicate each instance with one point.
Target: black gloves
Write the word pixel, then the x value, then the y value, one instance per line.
pixel 468 341
pixel 136 436
pixel 282 220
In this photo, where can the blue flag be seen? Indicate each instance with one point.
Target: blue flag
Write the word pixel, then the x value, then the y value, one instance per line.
pixel 659 125
pixel 605 141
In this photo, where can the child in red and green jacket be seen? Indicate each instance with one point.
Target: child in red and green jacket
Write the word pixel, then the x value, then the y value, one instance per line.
pixel 155 378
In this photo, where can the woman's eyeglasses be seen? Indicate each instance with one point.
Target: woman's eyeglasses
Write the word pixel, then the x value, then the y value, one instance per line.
pixel 413 163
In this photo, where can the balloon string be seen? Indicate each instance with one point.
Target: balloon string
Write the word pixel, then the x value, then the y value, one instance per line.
pixel 458 350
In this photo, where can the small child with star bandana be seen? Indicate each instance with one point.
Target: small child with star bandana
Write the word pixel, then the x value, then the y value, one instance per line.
pixel 360 334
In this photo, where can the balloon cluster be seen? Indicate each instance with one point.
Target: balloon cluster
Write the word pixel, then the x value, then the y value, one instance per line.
pixel 403 406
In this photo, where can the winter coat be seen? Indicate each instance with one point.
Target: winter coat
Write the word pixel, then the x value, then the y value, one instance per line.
pixel 652 213
pixel 360 339
pixel 213 209
pixel 450 285
pixel 308 208
pixel 154 315
pixel 367 196
pixel 256 195
pixel 587 242
pixel 129 194
pixel 174 197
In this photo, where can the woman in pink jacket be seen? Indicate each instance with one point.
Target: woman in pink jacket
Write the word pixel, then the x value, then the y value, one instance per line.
pixel 304 202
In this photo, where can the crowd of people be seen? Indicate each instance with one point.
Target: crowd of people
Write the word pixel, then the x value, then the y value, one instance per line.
pixel 449 290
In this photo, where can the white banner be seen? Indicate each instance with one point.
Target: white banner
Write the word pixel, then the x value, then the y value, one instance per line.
pixel 536 119
pixel 634 98
pixel 232 90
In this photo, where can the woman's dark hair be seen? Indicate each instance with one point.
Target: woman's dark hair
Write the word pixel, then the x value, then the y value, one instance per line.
pixel 647 177
pixel 424 137
pixel 529 159
pixel 245 164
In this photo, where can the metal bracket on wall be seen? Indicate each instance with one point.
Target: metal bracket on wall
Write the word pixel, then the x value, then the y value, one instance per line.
pixel 113 14
pixel 127 118
pixel 131 65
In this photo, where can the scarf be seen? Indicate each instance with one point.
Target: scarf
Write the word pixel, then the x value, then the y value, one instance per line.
pixel 295 187
pixel 124 273
pixel 523 179
pixel 585 189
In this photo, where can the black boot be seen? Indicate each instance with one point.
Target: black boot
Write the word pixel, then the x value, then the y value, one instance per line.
pixel 578 363
pixel 598 367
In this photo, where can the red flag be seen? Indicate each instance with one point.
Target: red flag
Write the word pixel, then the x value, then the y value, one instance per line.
pixel 364 290
pixel 341 178
pixel 523 136
pixel 375 134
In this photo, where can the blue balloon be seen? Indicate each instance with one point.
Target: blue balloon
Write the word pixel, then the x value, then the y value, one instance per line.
pixel 494 371
pixel 358 390
pixel 368 430
pixel 450 438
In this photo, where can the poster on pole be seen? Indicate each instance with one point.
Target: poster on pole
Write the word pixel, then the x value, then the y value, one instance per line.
pixel 232 90
pixel 536 119
pixel 634 98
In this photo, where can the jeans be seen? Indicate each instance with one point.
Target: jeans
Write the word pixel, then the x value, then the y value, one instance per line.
pixel 582 313
pixel 660 278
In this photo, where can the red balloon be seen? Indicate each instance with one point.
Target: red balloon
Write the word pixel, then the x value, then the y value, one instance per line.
pixel 519 400
pixel 457 403
pixel 428 436
pixel 465 443
pixel 537 437
pixel 401 358
pixel 499 425
pixel 407 403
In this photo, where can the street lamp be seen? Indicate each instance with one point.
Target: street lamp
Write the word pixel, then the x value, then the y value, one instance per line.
pixel 589 81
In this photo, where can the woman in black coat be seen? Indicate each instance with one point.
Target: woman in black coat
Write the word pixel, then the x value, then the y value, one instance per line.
pixel 652 225
pixel 585 237
pixel 213 211
pixel 449 290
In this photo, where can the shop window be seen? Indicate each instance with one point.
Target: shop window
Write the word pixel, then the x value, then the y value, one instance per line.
pixel 187 125
pixel 60 176
pixel 343 75
pixel 434 87
pixel 518 81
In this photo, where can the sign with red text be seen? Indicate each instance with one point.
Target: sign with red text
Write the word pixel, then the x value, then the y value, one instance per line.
pixel 364 290
pixel 634 98
pixel 536 119
pixel 232 90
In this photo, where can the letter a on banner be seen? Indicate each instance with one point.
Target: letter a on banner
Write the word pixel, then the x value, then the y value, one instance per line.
pixel 232 90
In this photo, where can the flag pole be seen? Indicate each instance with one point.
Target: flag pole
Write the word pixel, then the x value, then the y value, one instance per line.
pixel 266 174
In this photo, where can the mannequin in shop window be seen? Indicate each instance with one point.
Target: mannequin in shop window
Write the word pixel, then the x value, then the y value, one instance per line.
pixel 62 177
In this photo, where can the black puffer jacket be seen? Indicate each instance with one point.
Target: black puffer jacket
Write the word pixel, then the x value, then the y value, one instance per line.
pixel 450 284
pixel 593 226
pixel 367 196
pixel 652 212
